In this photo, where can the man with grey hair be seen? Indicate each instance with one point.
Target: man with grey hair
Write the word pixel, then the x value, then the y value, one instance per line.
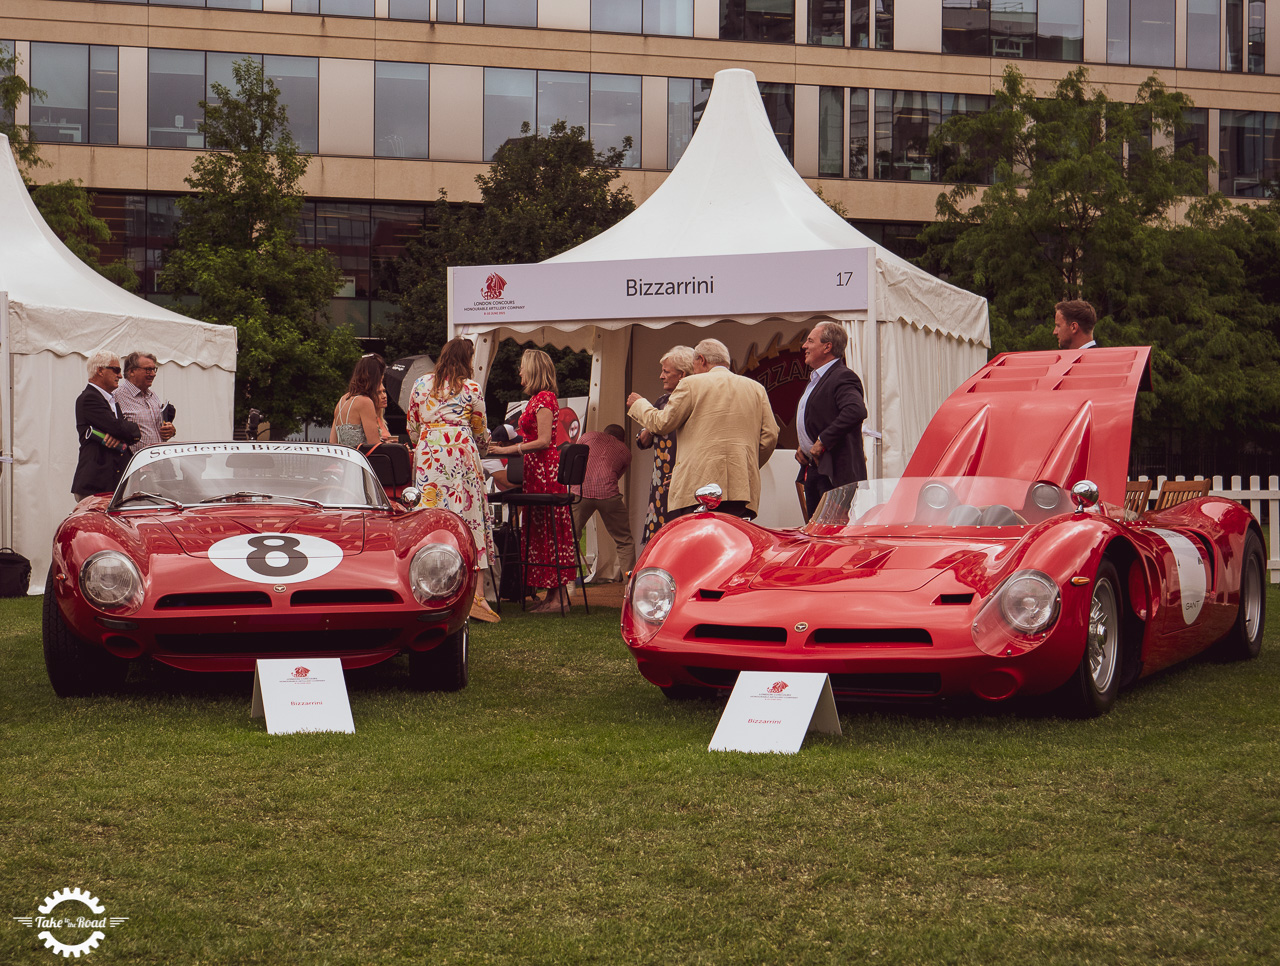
pixel 103 433
pixel 725 430
pixel 138 403
pixel 829 417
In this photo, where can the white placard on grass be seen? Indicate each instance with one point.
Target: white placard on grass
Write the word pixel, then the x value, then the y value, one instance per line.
pixel 773 711
pixel 301 694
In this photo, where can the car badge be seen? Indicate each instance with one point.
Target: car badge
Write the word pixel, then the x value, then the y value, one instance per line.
pixel 802 626
pixel 279 588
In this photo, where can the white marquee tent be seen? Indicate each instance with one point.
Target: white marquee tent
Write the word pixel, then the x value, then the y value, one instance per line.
pixel 735 212
pixel 55 312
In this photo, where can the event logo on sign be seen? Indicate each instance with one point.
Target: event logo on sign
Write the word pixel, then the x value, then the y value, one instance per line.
pixel 301 672
pixel 269 558
pixel 493 286
pixel 782 371
pixel 777 687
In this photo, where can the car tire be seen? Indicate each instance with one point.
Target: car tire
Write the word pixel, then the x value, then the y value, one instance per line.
pixel 1091 691
pixel 75 667
pixel 445 666
pixel 1244 640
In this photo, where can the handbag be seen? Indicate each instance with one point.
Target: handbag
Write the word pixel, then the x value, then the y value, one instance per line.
pixel 15 573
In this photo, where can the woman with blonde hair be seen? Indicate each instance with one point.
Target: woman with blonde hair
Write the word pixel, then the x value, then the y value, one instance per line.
pixel 676 364
pixel 545 528
pixel 446 424
pixel 355 417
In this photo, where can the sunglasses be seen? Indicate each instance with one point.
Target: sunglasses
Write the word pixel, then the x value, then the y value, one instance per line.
pixel 115 369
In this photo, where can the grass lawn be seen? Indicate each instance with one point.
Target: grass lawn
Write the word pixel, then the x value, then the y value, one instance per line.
pixel 560 810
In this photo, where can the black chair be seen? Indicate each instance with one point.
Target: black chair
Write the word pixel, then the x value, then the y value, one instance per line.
pixel 506 535
pixel 573 469
pixel 392 464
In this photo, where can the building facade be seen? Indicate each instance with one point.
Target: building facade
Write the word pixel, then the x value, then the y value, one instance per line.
pixel 399 99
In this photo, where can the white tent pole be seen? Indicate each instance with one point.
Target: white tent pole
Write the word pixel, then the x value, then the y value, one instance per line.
pixel 6 425
pixel 873 374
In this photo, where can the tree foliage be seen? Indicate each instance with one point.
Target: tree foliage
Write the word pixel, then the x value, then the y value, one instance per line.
pixel 1082 205
pixel 65 205
pixel 238 257
pixel 542 196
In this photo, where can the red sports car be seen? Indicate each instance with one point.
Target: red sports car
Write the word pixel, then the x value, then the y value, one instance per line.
pixel 209 556
pixel 1002 564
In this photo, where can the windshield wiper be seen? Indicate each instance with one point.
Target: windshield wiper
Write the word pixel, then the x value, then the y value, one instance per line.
pixel 251 494
pixel 144 495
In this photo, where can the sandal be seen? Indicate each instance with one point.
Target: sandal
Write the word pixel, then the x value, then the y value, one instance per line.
pixel 481 611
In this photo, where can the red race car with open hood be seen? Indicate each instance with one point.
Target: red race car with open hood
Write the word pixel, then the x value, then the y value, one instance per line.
pixel 1003 563
pixel 209 556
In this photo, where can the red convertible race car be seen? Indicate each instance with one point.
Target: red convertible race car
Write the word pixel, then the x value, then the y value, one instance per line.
pixel 209 556
pixel 1002 564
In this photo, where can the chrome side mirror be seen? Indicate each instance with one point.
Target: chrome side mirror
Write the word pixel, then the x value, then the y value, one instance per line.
pixel 708 496
pixel 1085 494
pixel 410 496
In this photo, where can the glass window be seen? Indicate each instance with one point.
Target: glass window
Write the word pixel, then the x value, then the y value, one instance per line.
pixel 104 94
pixel 884 24
pixel 299 81
pixel 826 24
pixel 686 100
pixel 1202 35
pixel 235 4
pixel 175 88
pixel 7 55
pixel 62 72
pixel 1248 152
pixel 1235 35
pixel 411 10
pixel 859 23
pixel 771 21
pixel 305 6
pixel 159 234
pixel 563 96
pixel 447 11
pixel 1118 31
pixel 1013 29
pixel 219 68
pixel 780 105
pixel 670 18
pixel 615 114
pixel 1151 33
pixel 617 16
pixel 1060 31
pixel 400 100
pixel 510 100
pixel 344 230
pixel 831 132
pixel 392 227
pixel 966 26
pixel 1257 36
pixel 858 131
pixel 953 105
pixel 905 119
pixel 346 8
pixel 507 13
pixel 1196 134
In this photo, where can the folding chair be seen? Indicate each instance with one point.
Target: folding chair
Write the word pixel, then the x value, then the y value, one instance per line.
pixel 1137 494
pixel 1173 492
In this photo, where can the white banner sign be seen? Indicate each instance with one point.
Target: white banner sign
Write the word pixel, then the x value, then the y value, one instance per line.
pixel 773 711
pixel 831 280
pixel 301 694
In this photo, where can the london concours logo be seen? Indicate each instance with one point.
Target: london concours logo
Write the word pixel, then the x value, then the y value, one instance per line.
pixel 64 926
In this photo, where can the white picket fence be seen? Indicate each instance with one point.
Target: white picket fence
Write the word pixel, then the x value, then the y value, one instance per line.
pixel 1252 496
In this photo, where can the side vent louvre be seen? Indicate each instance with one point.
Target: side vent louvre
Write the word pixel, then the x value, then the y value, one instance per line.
pixel 954 599
pixel 704 594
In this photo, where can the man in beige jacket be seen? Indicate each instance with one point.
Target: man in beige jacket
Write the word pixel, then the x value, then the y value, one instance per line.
pixel 726 432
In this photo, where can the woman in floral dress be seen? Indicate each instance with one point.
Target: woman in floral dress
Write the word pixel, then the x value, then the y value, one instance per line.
pixel 544 528
pixel 446 424
pixel 676 364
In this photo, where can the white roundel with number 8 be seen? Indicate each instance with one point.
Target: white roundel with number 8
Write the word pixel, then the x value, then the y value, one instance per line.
pixel 275 558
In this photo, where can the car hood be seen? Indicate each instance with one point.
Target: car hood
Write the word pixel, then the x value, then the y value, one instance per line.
pixel 196 531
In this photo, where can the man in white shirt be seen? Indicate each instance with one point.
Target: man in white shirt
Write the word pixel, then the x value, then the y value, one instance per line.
pixel 139 403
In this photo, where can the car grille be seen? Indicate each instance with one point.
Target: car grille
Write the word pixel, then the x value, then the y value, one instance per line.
pixel 728 632
pixel 287 642
pixel 872 635
pixel 903 685
pixel 320 598
pixel 233 598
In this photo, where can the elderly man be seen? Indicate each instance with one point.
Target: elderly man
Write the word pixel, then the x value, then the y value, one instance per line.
pixel 725 431
pixel 829 417
pixel 138 403
pixel 1073 323
pixel 104 435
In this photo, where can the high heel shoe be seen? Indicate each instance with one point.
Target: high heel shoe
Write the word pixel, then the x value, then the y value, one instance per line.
pixel 481 611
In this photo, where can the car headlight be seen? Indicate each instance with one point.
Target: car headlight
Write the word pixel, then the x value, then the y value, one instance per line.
pixel 1029 601
pixel 437 571
pixel 110 580
pixel 653 591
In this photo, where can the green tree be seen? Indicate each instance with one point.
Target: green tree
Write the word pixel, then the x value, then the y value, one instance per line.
pixel 542 196
pixel 65 205
pixel 238 259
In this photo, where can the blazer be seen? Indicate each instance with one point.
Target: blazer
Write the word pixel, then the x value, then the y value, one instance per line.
pixel 98 469
pixel 725 431
pixel 834 414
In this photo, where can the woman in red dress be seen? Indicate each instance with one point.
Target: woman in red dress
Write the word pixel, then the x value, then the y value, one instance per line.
pixel 544 527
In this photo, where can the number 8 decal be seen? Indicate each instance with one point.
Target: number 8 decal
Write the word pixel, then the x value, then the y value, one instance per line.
pixel 272 558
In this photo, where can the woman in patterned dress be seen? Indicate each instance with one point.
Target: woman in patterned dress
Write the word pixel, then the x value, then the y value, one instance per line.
pixel 544 528
pixel 676 364
pixel 446 424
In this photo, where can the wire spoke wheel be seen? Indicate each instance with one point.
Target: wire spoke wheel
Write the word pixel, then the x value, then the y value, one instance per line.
pixel 1103 643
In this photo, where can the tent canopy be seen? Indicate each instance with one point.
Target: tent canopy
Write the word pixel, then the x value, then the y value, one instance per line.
pixel 55 312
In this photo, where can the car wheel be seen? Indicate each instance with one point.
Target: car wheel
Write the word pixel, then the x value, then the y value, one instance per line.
pixel 689 692
pixel 1244 640
pixel 1092 690
pixel 75 667
pixel 444 667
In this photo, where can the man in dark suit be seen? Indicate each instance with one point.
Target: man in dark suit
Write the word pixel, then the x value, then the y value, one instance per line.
pixel 102 457
pixel 829 417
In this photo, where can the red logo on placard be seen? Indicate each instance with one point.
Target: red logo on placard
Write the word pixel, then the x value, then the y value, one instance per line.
pixel 493 286
pixel 777 687
pixel 302 672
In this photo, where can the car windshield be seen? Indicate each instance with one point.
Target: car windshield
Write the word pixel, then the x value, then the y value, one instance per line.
pixel 192 474
pixel 941 501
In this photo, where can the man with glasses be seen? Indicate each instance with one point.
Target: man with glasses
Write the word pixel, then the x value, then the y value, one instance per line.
pixel 138 403
pixel 104 434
